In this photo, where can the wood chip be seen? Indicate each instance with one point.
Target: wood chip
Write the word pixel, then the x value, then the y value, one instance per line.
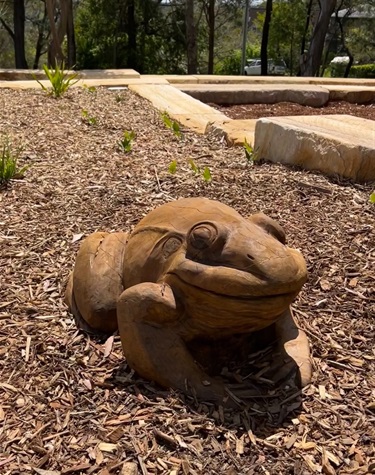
pixel 129 468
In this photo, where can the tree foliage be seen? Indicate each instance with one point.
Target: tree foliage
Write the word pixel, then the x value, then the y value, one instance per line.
pixel 139 34
pixel 180 36
pixel 286 32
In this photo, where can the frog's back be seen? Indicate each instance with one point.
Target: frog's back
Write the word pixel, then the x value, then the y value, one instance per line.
pixel 181 215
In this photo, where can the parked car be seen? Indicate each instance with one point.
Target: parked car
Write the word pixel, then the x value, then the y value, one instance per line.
pixel 275 66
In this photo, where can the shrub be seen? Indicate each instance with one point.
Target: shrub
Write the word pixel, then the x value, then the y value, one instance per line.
pixel 337 70
pixel 362 71
pixel 231 64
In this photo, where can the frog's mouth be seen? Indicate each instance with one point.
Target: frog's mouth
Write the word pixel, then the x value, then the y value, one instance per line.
pixel 233 283
pixel 241 306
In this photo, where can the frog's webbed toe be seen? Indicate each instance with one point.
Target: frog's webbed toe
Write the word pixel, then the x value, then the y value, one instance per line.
pixel 148 320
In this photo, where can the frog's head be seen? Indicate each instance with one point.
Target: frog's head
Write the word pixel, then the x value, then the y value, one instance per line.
pixel 226 269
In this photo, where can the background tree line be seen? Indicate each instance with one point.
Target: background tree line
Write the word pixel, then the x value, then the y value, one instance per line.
pixel 184 36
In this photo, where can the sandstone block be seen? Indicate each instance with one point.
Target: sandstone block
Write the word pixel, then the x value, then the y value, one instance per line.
pixel 308 95
pixel 333 144
pixel 353 94
pixel 235 132
pixel 29 74
pixel 181 107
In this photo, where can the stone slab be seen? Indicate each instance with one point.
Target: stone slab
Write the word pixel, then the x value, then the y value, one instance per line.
pixel 180 79
pixel 235 132
pixel 123 81
pixel 29 74
pixel 181 107
pixel 353 94
pixel 333 144
pixel 309 95
pixel 109 73
pixel 222 79
pixel 105 82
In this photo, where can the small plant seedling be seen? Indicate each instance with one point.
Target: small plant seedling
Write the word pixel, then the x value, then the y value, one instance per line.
pixel 171 124
pixel 249 152
pixel 118 98
pixel 126 143
pixel 172 167
pixel 194 167
pixel 60 80
pixel 372 197
pixel 206 174
pixel 8 162
pixel 90 120
pixel 90 89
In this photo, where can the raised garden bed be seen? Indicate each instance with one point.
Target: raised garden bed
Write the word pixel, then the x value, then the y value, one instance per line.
pixel 68 403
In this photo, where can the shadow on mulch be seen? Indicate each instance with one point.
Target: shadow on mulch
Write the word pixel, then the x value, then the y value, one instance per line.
pixel 266 401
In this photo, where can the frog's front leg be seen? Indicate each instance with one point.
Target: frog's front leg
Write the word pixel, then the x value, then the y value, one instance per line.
pixel 293 344
pixel 148 320
pixel 293 352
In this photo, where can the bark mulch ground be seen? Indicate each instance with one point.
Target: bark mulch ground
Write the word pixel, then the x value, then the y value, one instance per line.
pixel 68 403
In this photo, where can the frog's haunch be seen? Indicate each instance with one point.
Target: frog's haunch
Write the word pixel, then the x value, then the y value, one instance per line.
pixel 191 270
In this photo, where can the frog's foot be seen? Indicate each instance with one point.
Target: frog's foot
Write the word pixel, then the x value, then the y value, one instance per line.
pixel 96 282
pixel 148 321
pixel 294 351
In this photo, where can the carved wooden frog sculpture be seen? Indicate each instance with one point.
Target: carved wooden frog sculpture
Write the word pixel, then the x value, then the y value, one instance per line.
pixel 192 269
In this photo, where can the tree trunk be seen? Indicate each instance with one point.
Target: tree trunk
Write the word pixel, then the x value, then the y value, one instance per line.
pixel 343 39
pixel 265 34
pixel 132 35
pixel 311 60
pixel 19 34
pixel 191 38
pixel 55 54
pixel 70 35
pixel 307 24
pixel 41 40
pixel 211 35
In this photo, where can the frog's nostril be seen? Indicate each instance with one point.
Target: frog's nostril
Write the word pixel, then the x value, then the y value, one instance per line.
pixel 249 256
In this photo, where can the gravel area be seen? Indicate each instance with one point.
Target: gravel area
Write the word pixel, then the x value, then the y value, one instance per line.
pixel 68 403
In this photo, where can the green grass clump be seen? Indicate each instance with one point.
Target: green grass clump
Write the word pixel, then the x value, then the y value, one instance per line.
pixel 372 197
pixel 60 80
pixel 9 156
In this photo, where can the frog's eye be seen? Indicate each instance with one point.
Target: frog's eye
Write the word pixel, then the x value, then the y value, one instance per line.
pixel 171 245
pixel 203 236
pixel 269 225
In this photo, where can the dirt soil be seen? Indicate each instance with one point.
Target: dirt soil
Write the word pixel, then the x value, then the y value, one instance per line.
pixel 69 404
pixel 255 111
